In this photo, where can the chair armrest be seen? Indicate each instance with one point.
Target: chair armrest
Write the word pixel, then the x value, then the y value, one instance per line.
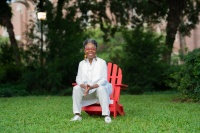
pixel 122 86
pixel 74 84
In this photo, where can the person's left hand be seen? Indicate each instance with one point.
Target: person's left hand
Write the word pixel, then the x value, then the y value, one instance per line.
pixel 86 90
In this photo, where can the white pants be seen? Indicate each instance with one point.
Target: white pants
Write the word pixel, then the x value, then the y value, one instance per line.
pixel 100 95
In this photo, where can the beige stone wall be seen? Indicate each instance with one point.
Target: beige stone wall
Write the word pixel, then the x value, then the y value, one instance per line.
pixel 191 42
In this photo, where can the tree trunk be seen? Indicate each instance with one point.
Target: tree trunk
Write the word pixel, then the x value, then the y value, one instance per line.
pixel 174 18
pixel 7 23
pixel 182 43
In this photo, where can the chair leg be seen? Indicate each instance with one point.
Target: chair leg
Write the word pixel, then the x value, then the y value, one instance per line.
pixel 115 110
pixel 115 113
pixel 120 109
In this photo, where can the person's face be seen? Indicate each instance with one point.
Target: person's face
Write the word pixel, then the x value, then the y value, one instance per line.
pixel 90 50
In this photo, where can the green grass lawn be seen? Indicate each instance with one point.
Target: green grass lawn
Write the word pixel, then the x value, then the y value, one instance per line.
pixel 150 113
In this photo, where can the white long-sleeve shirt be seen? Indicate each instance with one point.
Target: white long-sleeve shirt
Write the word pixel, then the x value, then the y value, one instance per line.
pixel 95 73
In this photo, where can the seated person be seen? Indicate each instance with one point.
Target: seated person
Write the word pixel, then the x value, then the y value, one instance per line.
pixel 92 85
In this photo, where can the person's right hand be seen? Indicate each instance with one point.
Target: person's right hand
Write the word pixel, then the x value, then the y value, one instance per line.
pixel 83 86
pixel 86 90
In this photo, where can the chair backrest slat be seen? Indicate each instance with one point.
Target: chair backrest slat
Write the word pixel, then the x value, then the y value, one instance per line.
pixel 114 75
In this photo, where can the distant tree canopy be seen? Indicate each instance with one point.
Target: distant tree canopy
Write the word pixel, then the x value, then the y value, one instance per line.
pixel 180 15
pixel 67 26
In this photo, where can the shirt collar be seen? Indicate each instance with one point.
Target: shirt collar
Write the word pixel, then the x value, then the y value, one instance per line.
pixel 93 60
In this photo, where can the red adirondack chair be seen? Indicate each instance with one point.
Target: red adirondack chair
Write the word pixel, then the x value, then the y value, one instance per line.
pixel 115 78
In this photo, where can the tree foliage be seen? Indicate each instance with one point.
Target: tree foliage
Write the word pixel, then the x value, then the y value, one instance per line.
pixel 64 31
pixel 179 15
pixel 61 56
pixel 142 64
pixel 186 78
pixel 5 20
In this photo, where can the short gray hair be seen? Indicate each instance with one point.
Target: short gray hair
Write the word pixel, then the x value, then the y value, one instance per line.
pixel 89 41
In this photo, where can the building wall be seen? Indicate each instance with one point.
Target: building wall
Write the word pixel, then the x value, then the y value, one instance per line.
pixel 191 42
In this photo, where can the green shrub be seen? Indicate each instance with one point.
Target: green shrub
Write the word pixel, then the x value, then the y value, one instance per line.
pixel 10 73
pixel 6 54
pixel 35 80
pixel 142 65
pixel 167 78
pixel 187 78
pixel 3 40
pixel 10 90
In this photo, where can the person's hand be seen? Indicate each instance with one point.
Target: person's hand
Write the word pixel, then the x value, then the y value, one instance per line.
pixel 86 90
pixel 83 86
